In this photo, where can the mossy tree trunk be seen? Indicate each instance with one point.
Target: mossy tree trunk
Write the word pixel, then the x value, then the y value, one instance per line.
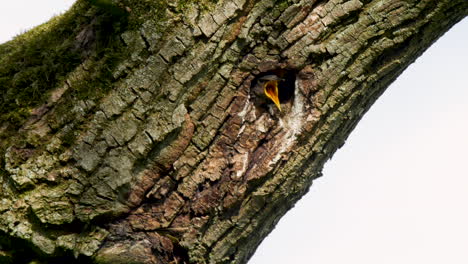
pixel 130 132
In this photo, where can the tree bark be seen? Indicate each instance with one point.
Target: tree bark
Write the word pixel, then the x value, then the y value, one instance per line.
pixel 131 134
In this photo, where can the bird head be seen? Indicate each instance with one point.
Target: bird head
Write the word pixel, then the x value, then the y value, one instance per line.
pixel 269 84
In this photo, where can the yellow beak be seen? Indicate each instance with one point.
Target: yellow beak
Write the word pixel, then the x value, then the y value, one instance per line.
pixel 271 91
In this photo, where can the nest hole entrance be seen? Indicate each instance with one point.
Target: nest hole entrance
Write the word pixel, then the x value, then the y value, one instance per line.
pixel 266 83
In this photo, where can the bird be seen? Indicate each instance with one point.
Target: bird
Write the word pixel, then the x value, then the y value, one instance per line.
pixel 268 84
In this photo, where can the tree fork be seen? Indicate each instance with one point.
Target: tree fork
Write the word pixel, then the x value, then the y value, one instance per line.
pixel 131 131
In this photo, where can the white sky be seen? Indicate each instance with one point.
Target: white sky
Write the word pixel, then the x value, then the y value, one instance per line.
pixel 397 191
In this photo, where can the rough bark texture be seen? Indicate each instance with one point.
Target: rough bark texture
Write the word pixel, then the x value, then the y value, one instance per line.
pixel 145 143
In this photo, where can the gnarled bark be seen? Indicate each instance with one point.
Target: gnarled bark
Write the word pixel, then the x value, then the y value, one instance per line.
pixel 151 146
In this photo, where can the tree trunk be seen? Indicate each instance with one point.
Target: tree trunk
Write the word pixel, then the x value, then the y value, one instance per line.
pixel 131 133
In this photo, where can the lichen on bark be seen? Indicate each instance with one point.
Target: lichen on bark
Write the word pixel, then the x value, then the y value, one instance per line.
pixel 150 147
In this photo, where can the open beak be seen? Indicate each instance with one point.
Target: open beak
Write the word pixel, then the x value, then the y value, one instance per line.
pixel 271 91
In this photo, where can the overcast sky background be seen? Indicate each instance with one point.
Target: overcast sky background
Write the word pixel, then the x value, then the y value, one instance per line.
pixel 396 192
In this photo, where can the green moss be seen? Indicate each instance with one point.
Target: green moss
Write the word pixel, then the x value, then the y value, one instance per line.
pixel 35 62
pixel 182 4
pixel 283 5
pixel 28 72
pixel 99 78
pixel 6 257
pixel 109 6
pixel 69 138
pixel 160 10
